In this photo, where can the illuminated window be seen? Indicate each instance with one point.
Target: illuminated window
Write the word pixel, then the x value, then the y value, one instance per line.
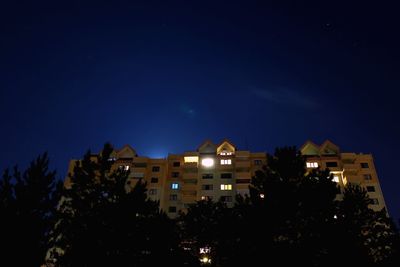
pixel 336 178
pixel 191 159
pixel 226 161
pixel 206 197
pixel 312 164
pixel 226 187
pixel 367 177
pixel 174 186
pixel 124 167
pixel 208 162
pixel 226 153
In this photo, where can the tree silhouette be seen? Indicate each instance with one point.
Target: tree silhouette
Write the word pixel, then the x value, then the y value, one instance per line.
pixel 363 235
pixel 208 227
pixel 27 207
pixel 104 221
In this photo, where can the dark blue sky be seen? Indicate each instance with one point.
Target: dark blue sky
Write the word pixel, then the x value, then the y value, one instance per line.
pixel 164 77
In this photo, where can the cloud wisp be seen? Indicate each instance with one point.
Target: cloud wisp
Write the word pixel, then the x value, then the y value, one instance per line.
pixel 285 96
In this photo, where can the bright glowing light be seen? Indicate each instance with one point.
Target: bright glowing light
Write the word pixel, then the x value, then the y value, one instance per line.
pixel 335 217
pixel 262 195
pixel 174 186
pixel 205 250
pixel 124 167
pixel 312 164
pixel 226 187
pixel 205 259
pixel 336 178
pixel 226 161
pixel 208 162
pixel 191 159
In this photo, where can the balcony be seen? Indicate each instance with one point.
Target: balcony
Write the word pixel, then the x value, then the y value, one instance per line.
pixel 242 164
pixel 351 167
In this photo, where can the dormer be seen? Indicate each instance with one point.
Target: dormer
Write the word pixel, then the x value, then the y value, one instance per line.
pixel 126 152
pixel 226 148
pixel 329 149
pixel 310 149
pixel 207 147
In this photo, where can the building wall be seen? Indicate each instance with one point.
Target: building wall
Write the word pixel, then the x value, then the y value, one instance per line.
pixel 347 167
pixel 180 180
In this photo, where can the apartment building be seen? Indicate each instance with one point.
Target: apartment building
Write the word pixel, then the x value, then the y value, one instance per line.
pixel 220 171
pixel 346 168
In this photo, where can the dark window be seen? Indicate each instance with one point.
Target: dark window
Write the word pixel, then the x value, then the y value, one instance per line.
pixel 173 197
pixel 243 181
pixel 226 175
pixel 257 162
pixel 156 168
pixel 176 164
pixel 367 177
pixel 375 201
pixel 226 198
pixel 371 188
pixel 331 164
pixel 154 180
pixel 207 176
pixel 175 174
pixel 172 209
pixel 207 187
pixel 364 165
pixel 140 164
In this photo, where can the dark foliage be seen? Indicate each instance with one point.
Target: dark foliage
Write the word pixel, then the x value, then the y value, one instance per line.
pixel 27 206
pixel 290 217
pixel 294 217
pixel 103 221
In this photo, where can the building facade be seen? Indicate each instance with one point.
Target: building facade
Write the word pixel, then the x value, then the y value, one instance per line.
pixel 220 171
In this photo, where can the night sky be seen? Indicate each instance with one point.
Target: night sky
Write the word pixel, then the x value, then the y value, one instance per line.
pixel 164 77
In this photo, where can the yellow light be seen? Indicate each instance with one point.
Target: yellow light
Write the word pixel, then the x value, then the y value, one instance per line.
pixel 205 259
pixel 207 162
pixel 191 159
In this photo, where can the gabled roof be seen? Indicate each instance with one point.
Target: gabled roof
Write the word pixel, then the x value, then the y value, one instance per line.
pixel 310 148
pixel 207 147
pixel 126 152
pixel 329 148
pixel 226 145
